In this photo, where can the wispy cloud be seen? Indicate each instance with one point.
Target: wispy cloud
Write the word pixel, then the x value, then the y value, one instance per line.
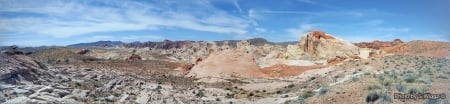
pixel 236 4
pixel 302 29
pixel 286 12
pixel 260 30
pixel 70 18
pixel 307 1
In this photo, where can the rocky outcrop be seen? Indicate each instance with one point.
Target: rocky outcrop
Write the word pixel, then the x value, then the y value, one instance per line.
pixel 227 63
pixel 379 44
pixel 134 57
pixel 17 68
pixel 82 51
pixel 383 47
pixel 322 46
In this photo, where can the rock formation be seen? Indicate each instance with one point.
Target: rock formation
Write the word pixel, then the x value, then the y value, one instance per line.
pixel 134 57
pixel 383 47
pixel 322 46
pixel 82 51
pixel 226 64
pixel 17 68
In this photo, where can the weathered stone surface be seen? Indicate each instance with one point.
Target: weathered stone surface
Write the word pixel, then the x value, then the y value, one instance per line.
pixel 322 46
pixel 228 63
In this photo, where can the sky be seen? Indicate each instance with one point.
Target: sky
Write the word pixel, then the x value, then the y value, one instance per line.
pixel 64 22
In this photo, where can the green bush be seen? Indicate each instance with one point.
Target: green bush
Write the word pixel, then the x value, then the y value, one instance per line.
pixel 200 94
pixel 426 80
pixel 442 76
pixel 384 98
pixel 324 89
pixel 300 100
pixel 410 77
pixel 307 94
pixel 355 78
pixel 386 82
pixel 372 86
pixel 401 87
pixel 291 86
pixel 415 89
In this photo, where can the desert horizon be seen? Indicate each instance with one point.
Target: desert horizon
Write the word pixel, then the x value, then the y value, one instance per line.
pixel 224 52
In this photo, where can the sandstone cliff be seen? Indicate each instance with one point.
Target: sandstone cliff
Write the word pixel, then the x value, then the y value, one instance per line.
pixel 322 46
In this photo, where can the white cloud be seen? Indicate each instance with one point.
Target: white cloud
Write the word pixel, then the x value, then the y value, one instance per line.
pixel 286 12
pixel 307 1
pixel 260 30
pixel 236 4
pixel 70 18
pixel 302 29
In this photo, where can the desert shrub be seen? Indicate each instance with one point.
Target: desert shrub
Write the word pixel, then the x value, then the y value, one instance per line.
pixel 410 77
pixel 400 87
pixel 217 99
pixel 158 87
pixel 372 86
pixel 308 94
pixel 426 80
pixel 386 82
pixel 428 70
pixel 415 89
pixel 372 97
pixel 324 89
pixel 251 94
pixel 278 92
pixel 291 86
pixel 229 95
pixel 384 98
pixel 300 100
pixel 409 71
pixel 355 78
pixel 200 94
pixel 442 76
pixel 312 78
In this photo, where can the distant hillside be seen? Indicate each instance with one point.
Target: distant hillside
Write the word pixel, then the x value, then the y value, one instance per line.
pixel 99 43
pixel 167 44
pixel 253 41
pixel 287 43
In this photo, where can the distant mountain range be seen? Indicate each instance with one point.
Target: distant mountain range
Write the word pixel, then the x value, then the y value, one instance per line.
pixel 176 44
pixel 99 43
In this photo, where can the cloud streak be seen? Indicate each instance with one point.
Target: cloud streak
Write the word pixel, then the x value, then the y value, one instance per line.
pixel 236 4
pixel 64 19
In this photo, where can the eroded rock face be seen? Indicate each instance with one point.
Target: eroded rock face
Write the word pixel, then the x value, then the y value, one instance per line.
pixel 379 44
pixel 383 47
pixel 322 46
pixel 17 68
pixel 227 63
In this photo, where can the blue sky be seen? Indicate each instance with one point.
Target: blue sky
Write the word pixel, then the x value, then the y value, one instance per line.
pixel 63 22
